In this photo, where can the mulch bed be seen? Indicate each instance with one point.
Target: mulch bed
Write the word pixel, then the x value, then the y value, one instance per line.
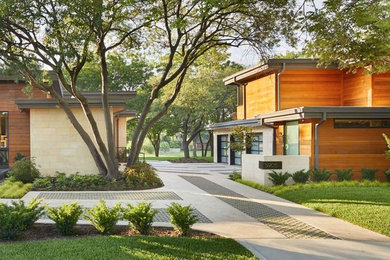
pixel 188 160
pixel 48 231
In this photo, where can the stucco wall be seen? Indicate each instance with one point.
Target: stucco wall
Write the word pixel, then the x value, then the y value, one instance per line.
pixel 122 138
pixel 57 146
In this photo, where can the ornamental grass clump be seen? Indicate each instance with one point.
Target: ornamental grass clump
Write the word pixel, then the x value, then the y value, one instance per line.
pixel 368 173
pixel 103 218
pixel 182 218
pixel 318 175
pixel 279 178
pixel 66 217
pixel 301 176
pixel 140 217
pixel 344 174
pixel 17 218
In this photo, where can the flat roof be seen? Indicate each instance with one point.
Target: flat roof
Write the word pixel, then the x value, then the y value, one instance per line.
pixel 349 112
pixel 271 66
pixel 232 124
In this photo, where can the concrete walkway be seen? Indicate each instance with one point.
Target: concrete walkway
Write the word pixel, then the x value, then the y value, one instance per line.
pixel 271 227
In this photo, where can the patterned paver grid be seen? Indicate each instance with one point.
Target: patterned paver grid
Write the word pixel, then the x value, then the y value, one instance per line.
pixel 284 224
pixel 164 217
pixel 109 195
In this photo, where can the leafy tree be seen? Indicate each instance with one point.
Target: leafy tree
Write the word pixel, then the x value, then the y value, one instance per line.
pixel 355 33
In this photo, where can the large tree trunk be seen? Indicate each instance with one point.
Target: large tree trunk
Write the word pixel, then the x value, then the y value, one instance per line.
pixel 155 140
pixel 195 149
pixel 186 149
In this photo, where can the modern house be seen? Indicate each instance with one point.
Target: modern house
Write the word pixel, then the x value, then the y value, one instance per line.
pixel 35 126
pixel 315 116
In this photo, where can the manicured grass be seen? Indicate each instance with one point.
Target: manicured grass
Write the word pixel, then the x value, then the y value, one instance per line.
pixel 13 189
pixel 366 203
pixel 120 247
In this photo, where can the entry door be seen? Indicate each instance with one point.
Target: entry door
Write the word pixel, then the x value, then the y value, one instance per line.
pixel 4 140
pixel 235 157
pixel 291 138
pixel 222 145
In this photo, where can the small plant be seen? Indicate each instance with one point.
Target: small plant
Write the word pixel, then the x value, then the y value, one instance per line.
pixel 387 174
pixel 103 218
pixel 66 217
pixel 141 173
pixel 368 173
pixel 344 174
pixel 19 157
pixel 16 218
pixel 235 175
pixel 182 218
pixel 24 170
pixel 301 176
pixel 279 178
pixel 318 175
pixel 140 217
pixel 13 189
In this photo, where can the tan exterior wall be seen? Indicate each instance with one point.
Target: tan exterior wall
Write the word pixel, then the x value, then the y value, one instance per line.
pixel 122 138
pixel 57 146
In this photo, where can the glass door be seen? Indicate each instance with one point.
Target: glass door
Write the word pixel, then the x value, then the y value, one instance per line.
pixel 291 138
pixel 235 157
pixel 4 143
pixel 222 148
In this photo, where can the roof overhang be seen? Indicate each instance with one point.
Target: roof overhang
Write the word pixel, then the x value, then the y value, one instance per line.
pixel 116 99
pixel 272 66
pixel 331 112
pixel 126 114
pixel 232 124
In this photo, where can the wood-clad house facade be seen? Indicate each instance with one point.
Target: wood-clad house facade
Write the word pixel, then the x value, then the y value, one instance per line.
pixel 335 117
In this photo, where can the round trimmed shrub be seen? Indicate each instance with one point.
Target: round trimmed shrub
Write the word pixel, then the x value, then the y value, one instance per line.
pixel 24 170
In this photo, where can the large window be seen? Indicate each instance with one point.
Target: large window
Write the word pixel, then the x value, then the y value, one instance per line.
pixel 362 123
pixel 240 95
pixel 222 148
pixel 4 143
pixel 257 144
pixel 291 138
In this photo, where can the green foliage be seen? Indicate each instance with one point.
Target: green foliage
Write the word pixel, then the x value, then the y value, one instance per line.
pixel 13 189
pixel 318 175
pixel 235 175
pixel 24 170
pixel 344 174
pixel 19 157
pixel 174 144
pixel 301 176
pixel 242 138
pixel 16 218
pixel 103 218
pixel 387 174
pixel 140 216
pixel 387 139
pixel 182 218
pixel 355 34
pixel 72 182
pixel 140 174
pixel 368 173
pixel 164 147
pixel 147 148
pixel 65 217
pixel 279 178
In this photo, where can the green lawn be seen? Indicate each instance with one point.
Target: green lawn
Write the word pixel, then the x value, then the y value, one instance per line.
pixel 120 247
pixel 173 156
pixel 366 204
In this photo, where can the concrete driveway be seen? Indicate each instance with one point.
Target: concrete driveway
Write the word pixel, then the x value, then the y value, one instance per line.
pixel 271 227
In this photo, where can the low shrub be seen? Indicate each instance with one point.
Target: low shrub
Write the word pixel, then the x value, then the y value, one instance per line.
pixel 42 183
pixel 344 174
pixel 19 157
pixel 103 218
pixel 24 170
pixel 368 173
pixel 235 175
pixel 141 174
pixel 140 217
pixel 66 217
pixel 182 218
pixel 318 175
pixel 301 176
pixel 279 178
pixel 71 182
pixel 13 189
pixel 387 174
pixel 17 218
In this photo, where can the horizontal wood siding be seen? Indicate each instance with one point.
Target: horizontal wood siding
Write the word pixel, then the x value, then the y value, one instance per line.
pixel 381 89
pixel 260 96
pixel 357 89
pixel 310 87
pixel 19 122
pixel 343 148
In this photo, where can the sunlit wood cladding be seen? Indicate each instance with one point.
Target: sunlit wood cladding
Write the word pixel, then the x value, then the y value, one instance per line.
pixel 381 89
pixel 310 87
pixel 260 96
pixel 357 89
